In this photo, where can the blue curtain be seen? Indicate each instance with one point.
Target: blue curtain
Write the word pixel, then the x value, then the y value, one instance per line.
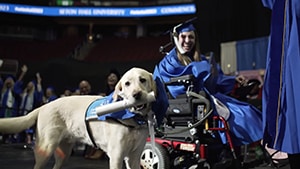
pixel 252 53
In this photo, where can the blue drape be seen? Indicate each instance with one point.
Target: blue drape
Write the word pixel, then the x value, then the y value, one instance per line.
pixel 281 98
pixel 251 53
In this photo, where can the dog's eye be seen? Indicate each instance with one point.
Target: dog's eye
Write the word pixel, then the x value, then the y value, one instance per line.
pixel 127 83
pixel 142 80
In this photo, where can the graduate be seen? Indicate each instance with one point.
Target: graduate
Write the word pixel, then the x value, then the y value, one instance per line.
pixel 281 96
pixel 245 121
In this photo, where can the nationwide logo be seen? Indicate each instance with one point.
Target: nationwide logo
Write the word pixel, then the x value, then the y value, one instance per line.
pixel 29 10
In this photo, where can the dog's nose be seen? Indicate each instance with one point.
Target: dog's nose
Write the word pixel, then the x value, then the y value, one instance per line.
pixel 137 95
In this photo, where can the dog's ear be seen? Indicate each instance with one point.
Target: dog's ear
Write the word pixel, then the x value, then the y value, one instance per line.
pixel 153 84
pixel 118 89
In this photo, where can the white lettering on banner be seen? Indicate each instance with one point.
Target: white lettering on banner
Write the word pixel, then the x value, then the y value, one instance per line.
pixel 115 12
pixel 68 12
pixel 98 11
pixel 4 8
pixel 29 10
pixel 169 10
pixel 143 12
pixel 84 12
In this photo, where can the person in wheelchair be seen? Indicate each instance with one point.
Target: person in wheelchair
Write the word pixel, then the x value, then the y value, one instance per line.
pixel 245 121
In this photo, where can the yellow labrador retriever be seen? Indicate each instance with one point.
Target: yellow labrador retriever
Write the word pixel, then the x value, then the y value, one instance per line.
pixel 62 122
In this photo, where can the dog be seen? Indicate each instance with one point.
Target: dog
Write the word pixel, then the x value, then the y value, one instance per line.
pixel 61 123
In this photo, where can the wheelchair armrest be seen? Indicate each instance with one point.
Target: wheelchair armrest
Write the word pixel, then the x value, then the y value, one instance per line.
pixel 181 80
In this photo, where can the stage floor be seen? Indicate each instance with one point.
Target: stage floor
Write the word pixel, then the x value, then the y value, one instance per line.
pixel 15 156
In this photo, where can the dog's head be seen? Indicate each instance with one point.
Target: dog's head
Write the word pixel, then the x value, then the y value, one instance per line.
pixel 136 84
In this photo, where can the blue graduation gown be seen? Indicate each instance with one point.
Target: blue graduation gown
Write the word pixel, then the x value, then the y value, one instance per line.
pixel 281 97
pixel 17 89
pixel 245 120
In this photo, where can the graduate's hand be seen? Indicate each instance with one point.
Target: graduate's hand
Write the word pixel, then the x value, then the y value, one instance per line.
pixel 241 80
pixel 24 68
pixel 38 77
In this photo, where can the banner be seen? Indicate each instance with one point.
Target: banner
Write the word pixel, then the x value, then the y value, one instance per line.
pixel 182 9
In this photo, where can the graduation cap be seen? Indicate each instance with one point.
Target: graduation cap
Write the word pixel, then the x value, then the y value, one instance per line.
pixel 186 26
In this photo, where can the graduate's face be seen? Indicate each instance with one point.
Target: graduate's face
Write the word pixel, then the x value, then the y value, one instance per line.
pixel 187 40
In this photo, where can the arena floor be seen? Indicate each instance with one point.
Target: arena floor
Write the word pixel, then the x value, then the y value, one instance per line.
pixel 15 156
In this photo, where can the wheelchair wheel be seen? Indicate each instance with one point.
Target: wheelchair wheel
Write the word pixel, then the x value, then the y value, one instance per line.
pixel 158 160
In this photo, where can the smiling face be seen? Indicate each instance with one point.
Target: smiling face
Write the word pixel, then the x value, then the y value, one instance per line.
pixel 187 41
pixel 84 87
pixel 112 79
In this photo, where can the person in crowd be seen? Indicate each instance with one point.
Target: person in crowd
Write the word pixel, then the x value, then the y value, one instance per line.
pixel 31 98
pixel 67 92
pixel 9 100
pixel 85 88
pixel 50 95
pixel 111 80
pixel 90 152
pixel 9 90
pixel 281 108
pixel 76 92
pixel 245 121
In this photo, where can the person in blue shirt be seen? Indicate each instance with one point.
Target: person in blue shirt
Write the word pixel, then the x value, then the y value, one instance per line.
pixel 245 121
pixel 10 91
pixel 281 98
pixel 9 98
pixel 31 98
pixel 50 95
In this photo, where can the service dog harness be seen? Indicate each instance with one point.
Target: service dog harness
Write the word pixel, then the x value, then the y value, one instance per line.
pixel 124 117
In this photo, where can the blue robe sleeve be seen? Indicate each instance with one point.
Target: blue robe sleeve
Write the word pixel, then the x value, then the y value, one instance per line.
pixel 18 87
pixel 161 104
pixel 38 98
pixel 1 83
pixel 218 82
pixel 225 84
pixel 268 3
pixel 170 67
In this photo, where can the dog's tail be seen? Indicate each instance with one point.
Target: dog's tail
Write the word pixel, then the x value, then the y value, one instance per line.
pixel 18 124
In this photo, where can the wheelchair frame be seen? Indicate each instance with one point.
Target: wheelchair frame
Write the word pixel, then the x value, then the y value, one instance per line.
pixel 181 134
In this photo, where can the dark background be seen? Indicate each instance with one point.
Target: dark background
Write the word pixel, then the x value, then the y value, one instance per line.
pixel 217 21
